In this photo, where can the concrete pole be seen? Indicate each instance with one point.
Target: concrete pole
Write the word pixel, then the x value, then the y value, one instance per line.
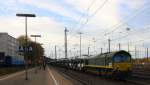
pixel 119 46
pixel 135 54
pixel 80 44
pixel 59 53
pixel 66 55
pixel 128 47
pixel 147 55
pixel 88 51
pixel 74 52
pixel 109 45
pixel 101 50
pixel 94 46
pixel 55 52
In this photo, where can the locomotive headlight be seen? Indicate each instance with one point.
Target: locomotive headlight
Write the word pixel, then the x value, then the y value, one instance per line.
pixel 110 64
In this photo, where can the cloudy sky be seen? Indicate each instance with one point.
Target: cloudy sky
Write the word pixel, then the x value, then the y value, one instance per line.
pixel 98 20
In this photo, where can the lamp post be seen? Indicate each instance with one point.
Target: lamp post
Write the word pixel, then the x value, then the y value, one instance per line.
pixel 26 41
pixel 35 36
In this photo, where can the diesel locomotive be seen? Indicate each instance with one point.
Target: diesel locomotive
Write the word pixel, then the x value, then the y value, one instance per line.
pixel 116 64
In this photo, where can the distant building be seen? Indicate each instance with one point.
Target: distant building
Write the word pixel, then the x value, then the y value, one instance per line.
pixel 8 50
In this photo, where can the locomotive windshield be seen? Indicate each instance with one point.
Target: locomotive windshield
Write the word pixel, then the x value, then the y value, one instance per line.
pixel 122 58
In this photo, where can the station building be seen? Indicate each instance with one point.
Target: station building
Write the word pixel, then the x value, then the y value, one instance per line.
pixel 8 50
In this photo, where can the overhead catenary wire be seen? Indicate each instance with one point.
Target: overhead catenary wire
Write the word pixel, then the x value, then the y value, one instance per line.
pixel 121 37
pixel 88 19
pixel 121 24
pixel 82 16
pixel 97 10
pixel 130 34
pixel 138 11
pixel 100 7
pixel 131 16
pixel 138 41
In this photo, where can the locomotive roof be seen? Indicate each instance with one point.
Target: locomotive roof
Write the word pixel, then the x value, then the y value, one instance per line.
pixel 111 54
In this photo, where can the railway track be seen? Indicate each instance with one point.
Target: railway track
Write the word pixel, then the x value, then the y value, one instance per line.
pixel 135 81
pixel 140 75
pixel 140 78
pixel 80 78
pixel 72 77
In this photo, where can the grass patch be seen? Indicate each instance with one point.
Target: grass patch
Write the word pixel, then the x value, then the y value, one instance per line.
pixel 11 69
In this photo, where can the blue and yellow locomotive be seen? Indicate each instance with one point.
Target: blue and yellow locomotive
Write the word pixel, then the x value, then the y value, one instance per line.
pixel 116 64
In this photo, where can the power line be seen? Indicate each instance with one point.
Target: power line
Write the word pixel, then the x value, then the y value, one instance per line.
pixel 141 40
pixel 97 10
pixel 91 5
pixel 138 41
pixel 82 16
pixel 138 11
pixel 129 34
pixel 119 24
pixel 100 7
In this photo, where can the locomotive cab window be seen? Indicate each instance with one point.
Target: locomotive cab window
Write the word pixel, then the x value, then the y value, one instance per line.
pixel 122 58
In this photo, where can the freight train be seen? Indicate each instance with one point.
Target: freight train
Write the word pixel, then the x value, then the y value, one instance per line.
pixel 114 64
